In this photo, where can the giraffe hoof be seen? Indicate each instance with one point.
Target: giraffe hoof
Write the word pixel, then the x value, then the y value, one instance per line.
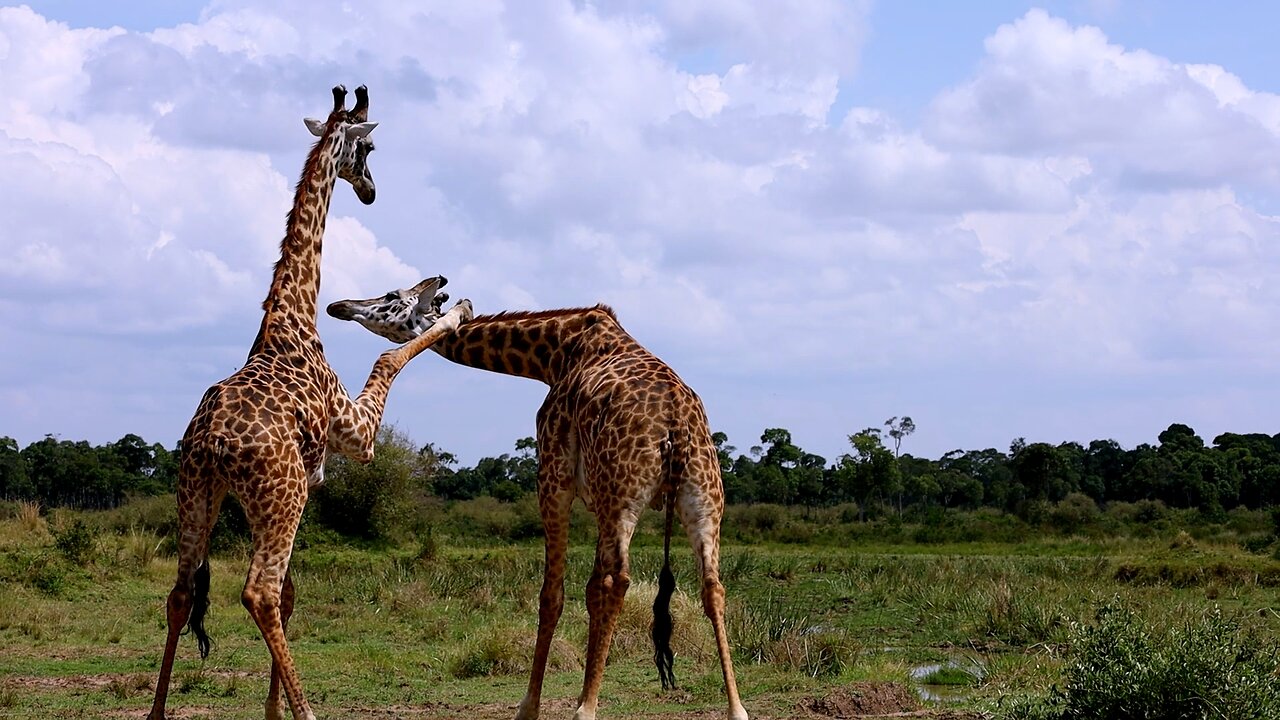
pixel 526 710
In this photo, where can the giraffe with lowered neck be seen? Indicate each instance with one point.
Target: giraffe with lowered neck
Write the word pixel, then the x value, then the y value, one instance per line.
pixel 263 433
pixel 618 429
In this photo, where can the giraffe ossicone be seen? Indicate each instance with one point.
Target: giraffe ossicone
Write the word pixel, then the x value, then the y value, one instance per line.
pixel 619 430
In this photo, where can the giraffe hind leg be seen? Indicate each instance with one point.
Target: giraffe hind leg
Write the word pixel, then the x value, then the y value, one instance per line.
pixel 264 593
pixel 606 591
pixel 554 507
pixel 189 600
pixel 274 709
pixel 700 516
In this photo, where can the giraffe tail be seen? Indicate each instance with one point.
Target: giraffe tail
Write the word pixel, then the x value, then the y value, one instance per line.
pixel 200 607
pixel 663 623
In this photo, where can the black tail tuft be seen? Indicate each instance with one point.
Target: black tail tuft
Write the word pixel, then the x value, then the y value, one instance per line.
pixel 663 623
pixel 199 607
pixel 663 657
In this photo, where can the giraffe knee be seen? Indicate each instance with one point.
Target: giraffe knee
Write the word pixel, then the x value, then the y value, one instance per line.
pixel 257 601
pixel 712 597
pixel 179 605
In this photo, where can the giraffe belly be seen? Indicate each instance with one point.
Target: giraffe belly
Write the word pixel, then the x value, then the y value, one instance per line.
pixel 315 477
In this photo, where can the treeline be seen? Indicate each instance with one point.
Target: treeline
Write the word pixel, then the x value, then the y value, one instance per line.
pixel 1181 471
pixel 65 473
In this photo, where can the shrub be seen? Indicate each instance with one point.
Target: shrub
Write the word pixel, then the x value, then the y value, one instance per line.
pixel 1073 513
pixel 488 518
pixel 1018 615
pixel 156 514
pixel 1209 666
pixel 780 636
pixel 373 501
pixel 75 540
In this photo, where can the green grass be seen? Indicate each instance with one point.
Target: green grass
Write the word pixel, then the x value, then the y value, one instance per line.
pixel 81 634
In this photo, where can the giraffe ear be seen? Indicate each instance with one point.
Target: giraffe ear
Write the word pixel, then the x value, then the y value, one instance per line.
pixel 360 130
pixel 315 126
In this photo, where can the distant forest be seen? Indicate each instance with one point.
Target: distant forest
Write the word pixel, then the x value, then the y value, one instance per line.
pixel 1181 471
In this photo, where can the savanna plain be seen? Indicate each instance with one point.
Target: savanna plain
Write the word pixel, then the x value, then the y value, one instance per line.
pixel 1135 612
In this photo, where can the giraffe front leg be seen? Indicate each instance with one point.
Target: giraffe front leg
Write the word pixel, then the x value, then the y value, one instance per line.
pixel 701 518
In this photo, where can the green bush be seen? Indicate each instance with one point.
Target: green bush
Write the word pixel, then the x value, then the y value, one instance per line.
pixel 1074 513
pixel 75 540
pixel 487 518
pixel 377 500
pixel 1205 667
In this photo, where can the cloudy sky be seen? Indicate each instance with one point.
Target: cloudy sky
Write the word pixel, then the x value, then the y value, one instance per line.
pixel 1057 221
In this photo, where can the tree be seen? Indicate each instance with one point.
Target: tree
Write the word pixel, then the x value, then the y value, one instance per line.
pixel 524 466
pixel 871 471
pixel 1105 465
pixel 781 452
pixel 15 482
pixel 1043 470
pixel 899 429
pixel 1197 477
pixel 74 474
pixel 1256 457
pixel 724 451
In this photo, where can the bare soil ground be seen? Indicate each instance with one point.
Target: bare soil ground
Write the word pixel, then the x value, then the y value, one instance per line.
pixel 856 701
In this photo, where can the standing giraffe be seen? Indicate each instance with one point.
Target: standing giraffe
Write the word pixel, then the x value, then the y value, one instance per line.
pixel 618 429
pixel 263 432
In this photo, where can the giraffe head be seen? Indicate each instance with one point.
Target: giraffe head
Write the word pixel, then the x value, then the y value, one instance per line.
pixel 400 315
pixel 348 134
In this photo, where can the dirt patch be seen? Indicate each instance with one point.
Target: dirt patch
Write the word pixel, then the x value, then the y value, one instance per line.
pixel 105 680
pixel 861 699
pixel 875 700
pixel 856 701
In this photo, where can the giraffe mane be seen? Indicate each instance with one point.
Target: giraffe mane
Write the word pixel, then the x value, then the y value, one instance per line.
pixel 541 314
pixel 291 221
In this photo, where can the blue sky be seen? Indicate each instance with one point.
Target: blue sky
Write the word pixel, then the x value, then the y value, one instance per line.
pixel 1004 219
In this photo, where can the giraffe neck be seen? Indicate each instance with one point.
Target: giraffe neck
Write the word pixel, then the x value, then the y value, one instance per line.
pixel 290 306
pixel 538 345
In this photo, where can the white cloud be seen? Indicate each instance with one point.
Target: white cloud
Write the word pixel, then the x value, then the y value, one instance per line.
pixel 1048 87
pixel 1074 208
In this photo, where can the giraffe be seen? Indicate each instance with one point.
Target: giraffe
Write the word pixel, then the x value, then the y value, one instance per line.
pixel 618 429
pixel 263 433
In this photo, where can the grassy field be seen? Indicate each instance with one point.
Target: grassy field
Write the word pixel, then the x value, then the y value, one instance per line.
pixel 442 628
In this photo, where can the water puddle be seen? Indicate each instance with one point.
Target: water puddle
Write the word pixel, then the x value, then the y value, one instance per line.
pixel 946 693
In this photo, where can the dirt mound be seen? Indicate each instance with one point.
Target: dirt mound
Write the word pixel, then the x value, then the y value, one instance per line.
pixel 863 699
